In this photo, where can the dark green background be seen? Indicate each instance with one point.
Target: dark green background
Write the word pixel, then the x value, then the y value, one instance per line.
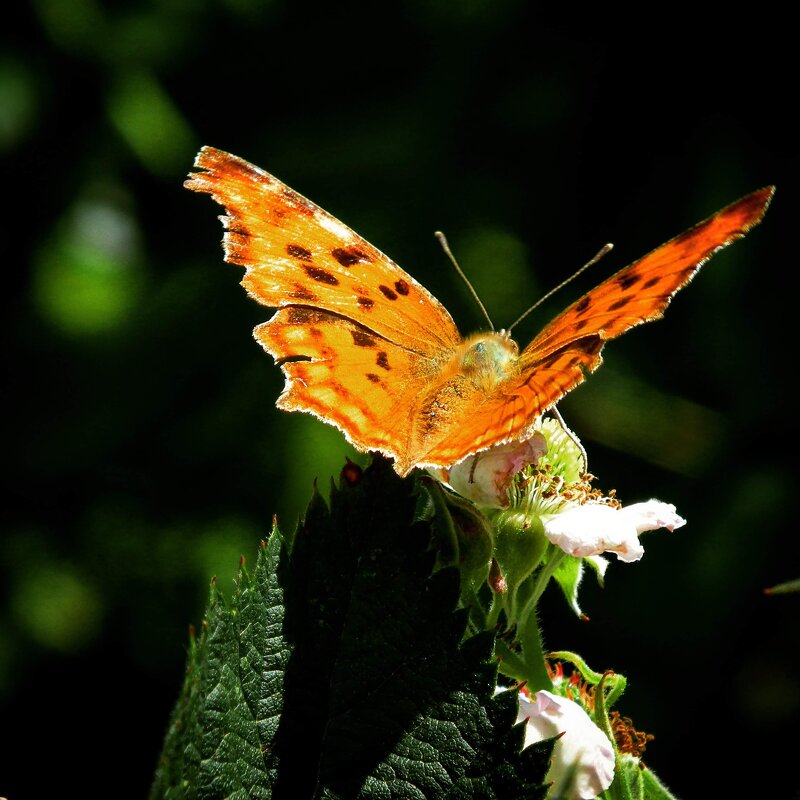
pixel 143 451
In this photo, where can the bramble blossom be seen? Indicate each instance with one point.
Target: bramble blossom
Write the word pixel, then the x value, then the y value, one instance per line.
pixel 486 477
pixel 544 477
pixel 582 764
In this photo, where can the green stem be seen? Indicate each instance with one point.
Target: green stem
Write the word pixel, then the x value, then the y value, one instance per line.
pixel 498 604
pixel 542 579
pixel 477 614
pixel 533 654
pixel 510 663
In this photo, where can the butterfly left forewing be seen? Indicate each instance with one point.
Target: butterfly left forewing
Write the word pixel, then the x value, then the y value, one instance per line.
pixel 296 253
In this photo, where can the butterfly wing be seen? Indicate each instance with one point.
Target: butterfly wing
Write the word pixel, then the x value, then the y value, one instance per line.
pixel 570 346
pixel 642 291
pixel 356 336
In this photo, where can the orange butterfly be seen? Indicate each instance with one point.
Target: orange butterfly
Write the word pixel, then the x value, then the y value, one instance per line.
pixel 366 348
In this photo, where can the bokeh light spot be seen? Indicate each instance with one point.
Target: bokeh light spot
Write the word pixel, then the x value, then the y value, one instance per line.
pixel 56 607
pixel 87 279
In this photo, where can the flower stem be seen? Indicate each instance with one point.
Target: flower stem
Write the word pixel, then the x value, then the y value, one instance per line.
pixel 510 663
pixel 533 654
pixel 498 604
pixel 545 573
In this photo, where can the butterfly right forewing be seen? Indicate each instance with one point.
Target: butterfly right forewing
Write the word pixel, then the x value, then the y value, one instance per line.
pixel 640 292
pixel 570 346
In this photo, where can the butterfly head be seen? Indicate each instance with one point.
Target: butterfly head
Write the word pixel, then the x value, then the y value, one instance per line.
pixel 489 358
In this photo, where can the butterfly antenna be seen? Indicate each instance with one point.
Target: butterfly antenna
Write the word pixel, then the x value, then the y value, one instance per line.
pixel 446 247
pixel 603 250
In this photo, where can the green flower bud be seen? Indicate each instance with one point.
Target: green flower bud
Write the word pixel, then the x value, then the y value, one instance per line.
pixel 519 545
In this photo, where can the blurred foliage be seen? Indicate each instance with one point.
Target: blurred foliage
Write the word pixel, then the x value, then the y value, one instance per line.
pixel 144 451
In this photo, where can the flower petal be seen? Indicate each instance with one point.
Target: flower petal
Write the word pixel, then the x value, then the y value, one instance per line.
pixel 653 514
pixel 596 527
pixel 583 756
pixel 486 477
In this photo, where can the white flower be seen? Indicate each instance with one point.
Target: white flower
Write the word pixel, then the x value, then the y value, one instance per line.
pixel 582 764
pixel 594 527
pixel 485 477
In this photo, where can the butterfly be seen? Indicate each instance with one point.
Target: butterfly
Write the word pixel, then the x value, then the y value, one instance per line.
pixel 365 347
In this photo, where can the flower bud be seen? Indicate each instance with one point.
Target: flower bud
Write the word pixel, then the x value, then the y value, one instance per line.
pixel 519 545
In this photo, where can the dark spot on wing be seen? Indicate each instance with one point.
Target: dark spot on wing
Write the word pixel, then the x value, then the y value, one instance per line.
pixel 628 279
pixel 321 275
pixel 362 339
pixel 690 234
pixel 365 302
pixel 371 376
pixel 302 293
pixel 387 292
pixel 401 286
pixel 651 282
pixel 298 251
pixel 382 360
pixel 298 315
pixel 621 303
pixel 347 256
pixel 315 333
pixel 581 324
pixel 291 360
pixel 430 422
pixel 583 304
pixel 590 345
pixel 237 225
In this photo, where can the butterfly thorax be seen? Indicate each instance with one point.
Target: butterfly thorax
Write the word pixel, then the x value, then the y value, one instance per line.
pixel 489 358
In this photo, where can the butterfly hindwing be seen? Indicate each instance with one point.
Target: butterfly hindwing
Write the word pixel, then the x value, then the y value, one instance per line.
pixel 346 375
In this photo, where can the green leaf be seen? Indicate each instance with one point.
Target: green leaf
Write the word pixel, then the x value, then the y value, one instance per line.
pixel 784 588
pixel 568 575
pixel 219 739
pixel 340 670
